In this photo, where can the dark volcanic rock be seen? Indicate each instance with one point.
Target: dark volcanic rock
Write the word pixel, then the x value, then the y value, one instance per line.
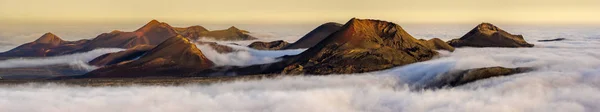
pixel 176 56
pixel 274 45
pixel 232 33
pixel 550 40
pixel 47 45
pixel 488 35
pixel 361 46
pixel 121 56
pixel 41 72
pixel 467 76
pixel 218 47
pixel 315 36
pixel 437 44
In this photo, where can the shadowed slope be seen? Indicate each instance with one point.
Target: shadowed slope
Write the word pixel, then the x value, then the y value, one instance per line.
pixel 177 56
pixel 315 36
pixel 121 56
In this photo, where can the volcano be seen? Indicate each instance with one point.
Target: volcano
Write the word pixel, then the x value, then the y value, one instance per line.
pixel 47 45
pixel 488 35
pixel 176 56
pixel 361 46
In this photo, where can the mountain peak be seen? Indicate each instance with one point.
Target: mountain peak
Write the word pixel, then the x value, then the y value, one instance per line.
pixel 315 36
pixel 153 21
pixel 151 25
pixel 489 35
pixel 179 50
pixel 49 38
pixel 487 26
pixel 233 28
pixel 377 44
pixel 176 56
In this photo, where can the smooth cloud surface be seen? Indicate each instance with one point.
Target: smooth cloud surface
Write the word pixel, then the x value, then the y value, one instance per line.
pixel 78 59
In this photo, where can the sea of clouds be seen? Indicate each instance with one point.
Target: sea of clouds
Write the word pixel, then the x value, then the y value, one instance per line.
pixel 566 79
pixel 77 60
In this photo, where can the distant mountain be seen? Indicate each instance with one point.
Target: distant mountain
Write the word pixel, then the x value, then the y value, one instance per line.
pixel 488 35
pixel 274 45
pixel 437 44
pixel 232 33
pixel 315 36
pixel 153 33
pixel 50 39
pixel 176 56
pixel 47 45
pixel 192 32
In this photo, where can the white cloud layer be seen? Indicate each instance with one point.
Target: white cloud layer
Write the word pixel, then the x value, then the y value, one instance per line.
pixel 566 79
pixel 244 56
pixel 77 60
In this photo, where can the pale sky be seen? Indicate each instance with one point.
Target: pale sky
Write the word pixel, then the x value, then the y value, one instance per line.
pixel 301 11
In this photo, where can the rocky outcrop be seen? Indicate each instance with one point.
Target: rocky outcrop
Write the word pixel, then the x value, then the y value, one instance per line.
pixel 315 36
pixel 488 35
pixel 121 56
pixel 361 46
pixel 437 44
pixel 274 45
pixel 550 40
pixel 176 56
pixel 47 45
pixel 459 78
